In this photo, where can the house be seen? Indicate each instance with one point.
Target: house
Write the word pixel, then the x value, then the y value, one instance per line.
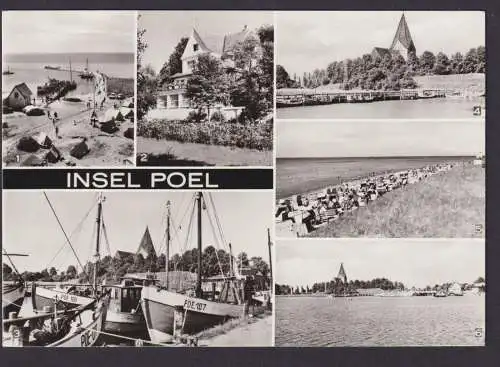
pixel 455 290
pixel 402 43
pixel 19 97
pixel 172 96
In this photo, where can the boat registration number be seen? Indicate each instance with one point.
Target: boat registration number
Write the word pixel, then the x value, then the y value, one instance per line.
pixel 67 297
pixel 194 306
pixel 88 338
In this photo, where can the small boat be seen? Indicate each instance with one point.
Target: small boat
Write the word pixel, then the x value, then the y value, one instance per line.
pixel 86 74
pixel 7 72
pixel 440 293
pixel 49 67
pixel 124 313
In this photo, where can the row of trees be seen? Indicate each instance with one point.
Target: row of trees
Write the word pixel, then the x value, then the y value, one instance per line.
pixel 112 268
pixel 248 84
pixel 388 72
pixel 336 286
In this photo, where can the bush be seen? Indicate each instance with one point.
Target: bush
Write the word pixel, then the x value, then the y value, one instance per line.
pixel 217 116
pixel 196 117
pixel 251 136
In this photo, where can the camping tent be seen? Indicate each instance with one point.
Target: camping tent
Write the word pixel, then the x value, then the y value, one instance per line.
pixel 112 115
pixel 43 140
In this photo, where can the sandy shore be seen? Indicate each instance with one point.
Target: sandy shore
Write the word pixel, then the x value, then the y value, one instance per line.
pixel 74 124
pixel 253 334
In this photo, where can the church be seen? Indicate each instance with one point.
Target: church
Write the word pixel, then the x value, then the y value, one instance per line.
pixel 402 43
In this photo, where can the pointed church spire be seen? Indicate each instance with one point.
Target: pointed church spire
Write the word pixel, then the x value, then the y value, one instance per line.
pixel 342 275
pixel 146 246
pixel 402 38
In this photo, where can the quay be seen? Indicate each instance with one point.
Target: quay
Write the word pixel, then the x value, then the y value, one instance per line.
pixel 289 97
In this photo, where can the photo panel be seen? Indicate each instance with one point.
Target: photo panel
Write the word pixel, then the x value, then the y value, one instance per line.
pixel 380 293
pixel 91 271
pixel 205 88
pixel 68 88
pixel 380 64
pixel 380 178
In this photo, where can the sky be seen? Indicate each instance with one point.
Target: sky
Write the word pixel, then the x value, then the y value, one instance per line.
pixel 416 263
pixel 385 138
pixel 165 29
pixel 68 31
pixel 31 228
pixel 309 40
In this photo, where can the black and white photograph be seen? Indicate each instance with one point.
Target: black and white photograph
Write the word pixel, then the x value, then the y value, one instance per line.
pixel 85 269
pixel 380 293
pixel 380 178
pixel 68 88
pixel 205 88
pixel 380 64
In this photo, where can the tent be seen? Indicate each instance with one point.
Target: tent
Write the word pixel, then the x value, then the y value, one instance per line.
pixel 112 115
pixel 80 150
pixel 28 144
pixel 53 155
pixel 43 140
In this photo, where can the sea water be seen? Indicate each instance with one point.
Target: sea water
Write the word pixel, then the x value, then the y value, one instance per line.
pixel 380 321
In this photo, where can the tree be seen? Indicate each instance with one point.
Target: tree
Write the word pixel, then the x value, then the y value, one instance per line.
pixel 71 272
pixel 208 84
pixel 146 79
pixel 174 63
pixel 479 280
pixel 6 272
pixel 52 272
pixel 442 65
pixel 282 78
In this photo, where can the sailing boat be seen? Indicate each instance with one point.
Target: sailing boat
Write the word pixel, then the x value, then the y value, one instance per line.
pixel 78 326
pixel 7 72
pixel 168 313
pixel 12 291
pixel 86 74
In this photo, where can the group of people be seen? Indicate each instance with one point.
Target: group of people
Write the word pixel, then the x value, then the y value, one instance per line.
pixel 316 209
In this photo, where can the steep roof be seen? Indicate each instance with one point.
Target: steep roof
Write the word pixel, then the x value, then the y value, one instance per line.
pixel 342 275
pixel 403 35
pixel 23 89
pixel 382 52
pixel 221 44
pixel 124 253
pixel 147 243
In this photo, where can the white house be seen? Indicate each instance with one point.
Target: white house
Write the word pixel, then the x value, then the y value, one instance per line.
pixel 172 96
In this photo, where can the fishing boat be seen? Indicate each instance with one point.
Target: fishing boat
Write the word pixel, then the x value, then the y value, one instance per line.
pixel 124 314
pixel 62 316
pixel 49 67
pixel 86 74
pixel 13 291
pixel 7 72
pixel 169 313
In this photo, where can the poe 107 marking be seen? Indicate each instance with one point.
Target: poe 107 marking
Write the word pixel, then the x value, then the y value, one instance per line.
pixel 194 306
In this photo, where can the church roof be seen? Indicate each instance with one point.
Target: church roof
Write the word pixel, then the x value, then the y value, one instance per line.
pixel 381 51
pixel 403 35
pixel 147 243
pixel 342 274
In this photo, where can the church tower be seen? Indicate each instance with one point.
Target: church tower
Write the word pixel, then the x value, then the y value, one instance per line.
pixel 342 275
pixel 402 42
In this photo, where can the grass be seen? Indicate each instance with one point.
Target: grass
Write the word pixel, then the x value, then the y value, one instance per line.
pixel 250 136
pixel 232 324
pixel 446 205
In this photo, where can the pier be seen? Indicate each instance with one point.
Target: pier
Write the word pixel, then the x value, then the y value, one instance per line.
pixel 289 97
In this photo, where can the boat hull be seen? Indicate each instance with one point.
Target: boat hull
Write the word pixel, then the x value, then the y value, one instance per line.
pixel 44 297
pixel 124 322
pixel 159 307
pixel 202 314
pixel 12 298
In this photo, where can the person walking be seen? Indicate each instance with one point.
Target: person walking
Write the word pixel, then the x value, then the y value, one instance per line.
pixel 249 291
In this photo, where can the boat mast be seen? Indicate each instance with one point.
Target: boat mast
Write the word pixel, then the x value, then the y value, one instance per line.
pixel 167 244
pixel 198 290
pixel 70 71
pixel 231 270
pixel 270 258
pixel 98 239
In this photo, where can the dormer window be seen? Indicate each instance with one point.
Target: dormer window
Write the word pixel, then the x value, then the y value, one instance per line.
pixel 196 47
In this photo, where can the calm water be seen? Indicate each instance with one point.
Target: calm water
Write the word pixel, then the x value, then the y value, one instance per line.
pixel 34 74
pixel 301 175
pixel 438 108
pixel 377 321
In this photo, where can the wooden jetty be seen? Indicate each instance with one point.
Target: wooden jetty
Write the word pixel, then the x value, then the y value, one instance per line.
pixel 289 97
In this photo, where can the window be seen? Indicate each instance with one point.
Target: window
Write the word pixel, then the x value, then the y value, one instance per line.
pixel 16 95
pixel 195 47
